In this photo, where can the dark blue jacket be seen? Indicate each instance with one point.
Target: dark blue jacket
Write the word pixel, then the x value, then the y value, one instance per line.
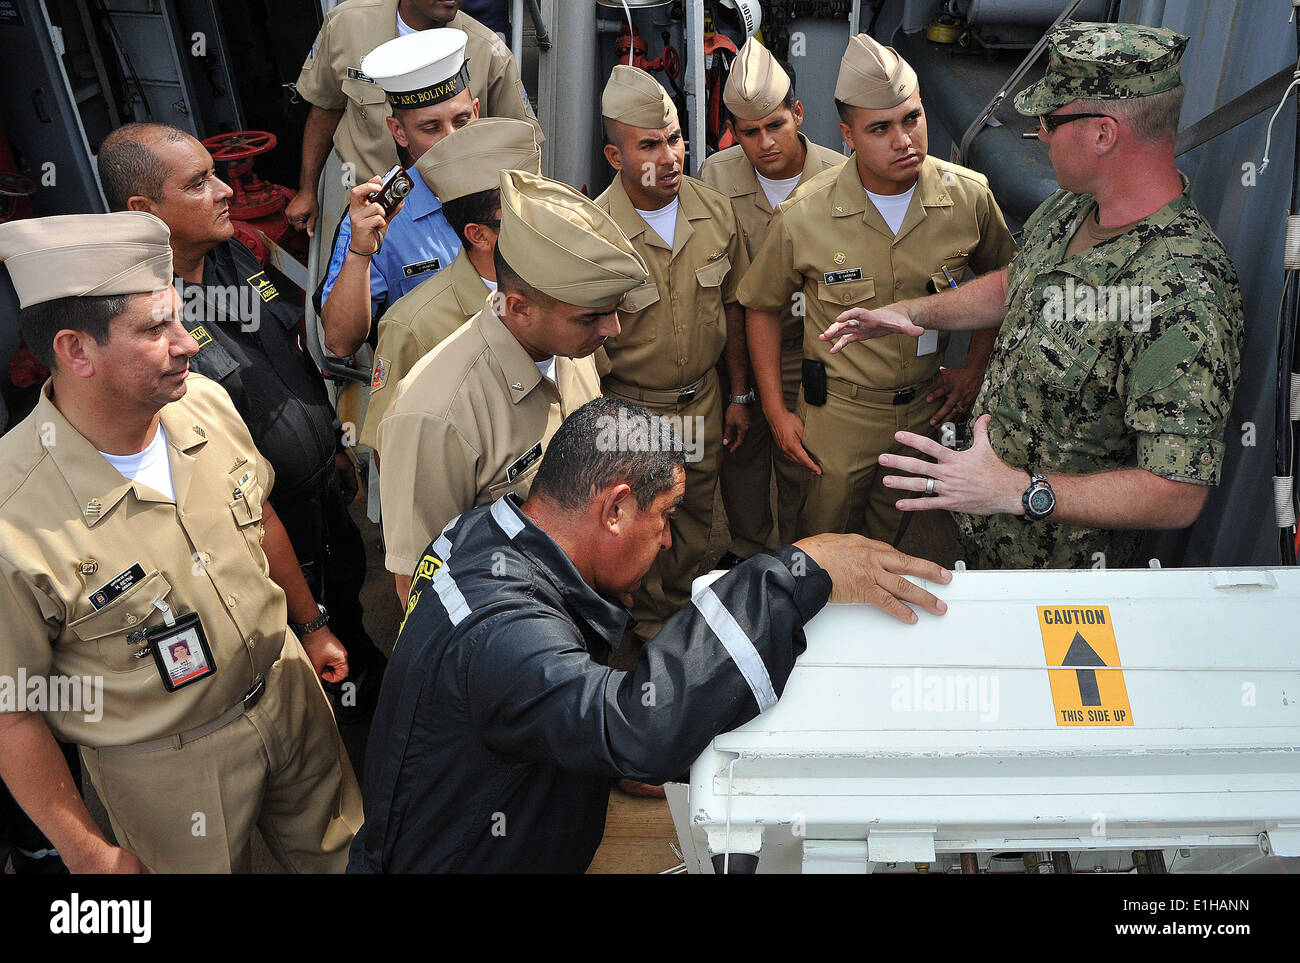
pixel 499 729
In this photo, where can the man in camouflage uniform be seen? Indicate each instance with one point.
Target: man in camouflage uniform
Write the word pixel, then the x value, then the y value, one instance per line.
pixel 1107 396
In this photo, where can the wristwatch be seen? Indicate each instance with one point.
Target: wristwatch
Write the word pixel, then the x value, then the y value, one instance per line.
pixel 1039 499
pixel 748 398
pixel 307 628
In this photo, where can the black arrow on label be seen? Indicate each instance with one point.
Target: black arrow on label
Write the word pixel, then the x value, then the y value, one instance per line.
pixel 1079 654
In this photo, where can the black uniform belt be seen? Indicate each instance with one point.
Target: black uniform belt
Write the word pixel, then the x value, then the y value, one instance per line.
pixel 853 390
pixel 250 699
pixel 669 396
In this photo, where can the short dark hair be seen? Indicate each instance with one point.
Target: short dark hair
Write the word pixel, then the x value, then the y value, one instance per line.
pixel 509 281
pixel 127 167
pixel 41 322
pixel 790 100
pixel 597 446
pixel 612 133
pixel 477 208
pixel 843 109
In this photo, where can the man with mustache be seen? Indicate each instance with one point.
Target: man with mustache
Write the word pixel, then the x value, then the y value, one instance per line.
pixel 133 515
pixel 247 336
pixel 677 326
pixel 890 221
pixel 503 723
pixel 471 419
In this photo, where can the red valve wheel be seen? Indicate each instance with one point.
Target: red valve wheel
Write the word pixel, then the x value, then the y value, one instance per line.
pixel 239 144
pixel 672 62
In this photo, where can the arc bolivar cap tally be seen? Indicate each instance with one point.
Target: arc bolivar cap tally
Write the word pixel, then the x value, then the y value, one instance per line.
pixel 420 69
pixel 86 255
pixel 1104 61
pixel 562 244
pixel 757 84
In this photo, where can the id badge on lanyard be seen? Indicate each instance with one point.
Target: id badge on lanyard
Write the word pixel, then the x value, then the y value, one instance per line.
pixel 179 648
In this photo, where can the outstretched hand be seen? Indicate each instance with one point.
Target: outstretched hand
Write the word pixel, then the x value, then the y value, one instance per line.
pixel 975 481
pixel 859 324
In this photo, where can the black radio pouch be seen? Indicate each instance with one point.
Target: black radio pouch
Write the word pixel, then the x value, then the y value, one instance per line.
pixel 814 382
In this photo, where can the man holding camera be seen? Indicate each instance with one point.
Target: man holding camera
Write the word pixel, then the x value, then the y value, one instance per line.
pixel 378 255
pixel 349 109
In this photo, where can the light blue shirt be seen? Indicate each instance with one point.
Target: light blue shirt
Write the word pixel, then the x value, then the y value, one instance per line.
pixel 418 244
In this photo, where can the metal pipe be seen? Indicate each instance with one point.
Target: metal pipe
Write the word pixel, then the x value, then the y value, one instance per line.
pixel 696 90
pixel 517 32
pixel 539 25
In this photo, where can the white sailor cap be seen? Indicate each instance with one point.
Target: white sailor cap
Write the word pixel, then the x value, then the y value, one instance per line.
pixel 421 68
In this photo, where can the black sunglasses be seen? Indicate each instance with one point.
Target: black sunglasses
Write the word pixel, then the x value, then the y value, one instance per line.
pixel 1049 122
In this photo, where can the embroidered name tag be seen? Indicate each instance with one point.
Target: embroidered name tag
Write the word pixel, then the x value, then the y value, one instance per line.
pixel 116 587
pixel 420 267
pixel 839 277
pixel 524 462
pixel 262 284
pixel 201 336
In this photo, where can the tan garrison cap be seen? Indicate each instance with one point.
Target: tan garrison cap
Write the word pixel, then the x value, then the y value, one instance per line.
pixel 563 244
pixel 873 76
pixel 757 85
pixel 471 159
pixel 633 97
pixel 86 256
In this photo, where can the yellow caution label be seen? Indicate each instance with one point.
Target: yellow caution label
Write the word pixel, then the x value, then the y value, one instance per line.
pixel 1083 666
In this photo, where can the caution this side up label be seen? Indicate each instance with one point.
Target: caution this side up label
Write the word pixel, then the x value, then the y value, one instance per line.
pixel 1084 667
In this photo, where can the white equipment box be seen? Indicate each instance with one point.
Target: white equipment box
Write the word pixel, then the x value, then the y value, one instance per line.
pixel 1095 714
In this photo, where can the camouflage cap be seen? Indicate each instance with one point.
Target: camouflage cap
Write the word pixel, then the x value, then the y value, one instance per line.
pixel 1104 61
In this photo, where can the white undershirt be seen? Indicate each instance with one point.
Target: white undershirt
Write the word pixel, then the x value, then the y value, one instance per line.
pixel 892 207
pixel 547 368
pixel 402 29
pixel 491 285
pixel 663 221
pixel 777 191
pixel 149 467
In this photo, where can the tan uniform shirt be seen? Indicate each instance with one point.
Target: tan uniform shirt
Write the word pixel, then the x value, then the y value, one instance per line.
pixel 674 325
pixel 469 423
pixel 830 244
pixel 70 524
pixel 730 172
pixel 329 79
pixel 417 323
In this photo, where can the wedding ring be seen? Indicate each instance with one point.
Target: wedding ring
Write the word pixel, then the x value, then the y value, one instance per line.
pixel 929 486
